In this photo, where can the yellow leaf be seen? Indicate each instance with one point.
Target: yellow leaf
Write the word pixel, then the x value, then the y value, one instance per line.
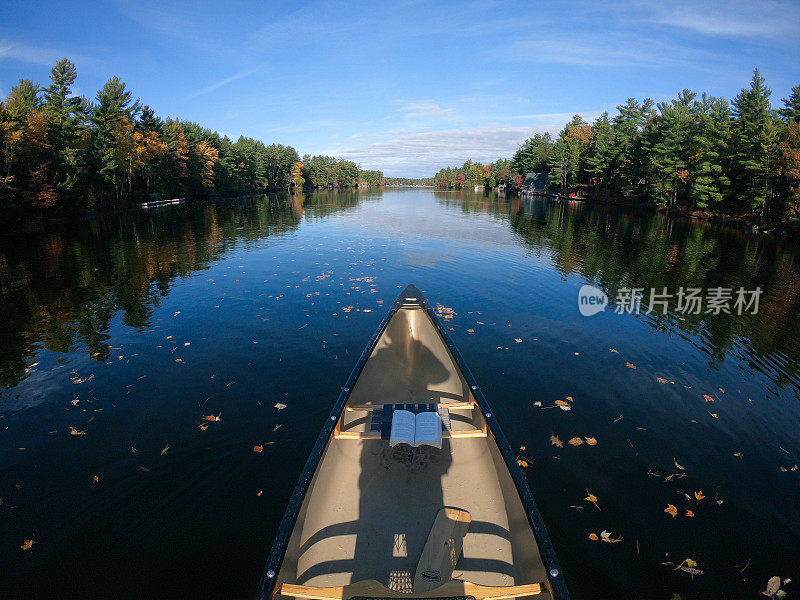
pixel 671 510
pixel 593 536
pixel 714 415
pixel 569 398
pixel 690 563
pixel 522 463
pixel 26 545
pixel 699 495
pixel 591 498
pixel 591 441
pixel 562 403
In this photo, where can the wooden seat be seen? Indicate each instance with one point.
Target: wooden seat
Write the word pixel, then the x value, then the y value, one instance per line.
pixel 374 589
pixel 379 421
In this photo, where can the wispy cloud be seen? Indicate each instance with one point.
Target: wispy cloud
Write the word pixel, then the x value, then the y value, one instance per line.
pixel 38 55
pixel 425 109
pixel 221 83
pixel 734 19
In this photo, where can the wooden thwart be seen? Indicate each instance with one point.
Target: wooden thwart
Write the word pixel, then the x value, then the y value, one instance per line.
pixel 375 589
pixel 442 549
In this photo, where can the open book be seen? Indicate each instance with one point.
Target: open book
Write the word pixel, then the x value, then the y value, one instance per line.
pixel 423 428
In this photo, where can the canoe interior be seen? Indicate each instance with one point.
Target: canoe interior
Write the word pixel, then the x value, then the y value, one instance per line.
pixel 369 508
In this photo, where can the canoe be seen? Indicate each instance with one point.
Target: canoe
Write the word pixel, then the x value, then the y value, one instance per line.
pixel 368 520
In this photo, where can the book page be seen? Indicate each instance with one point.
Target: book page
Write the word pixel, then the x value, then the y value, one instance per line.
pixel 429 429
pixel 403 426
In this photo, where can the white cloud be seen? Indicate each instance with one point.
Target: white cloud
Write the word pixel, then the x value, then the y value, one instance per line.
pixel 221 83
pixel 422 154
pixel 38 55
pixel 736 19
pixel 425 109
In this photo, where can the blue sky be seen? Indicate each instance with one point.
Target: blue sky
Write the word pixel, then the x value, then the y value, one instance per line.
pixel 406 87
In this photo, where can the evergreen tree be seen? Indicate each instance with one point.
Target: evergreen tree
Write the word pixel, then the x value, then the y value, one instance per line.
pixel 64 113
pixel 791 110
pixel 754 141
pixel 710 146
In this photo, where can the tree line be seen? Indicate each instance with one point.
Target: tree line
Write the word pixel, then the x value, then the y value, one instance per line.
pixel 61 153
pixel 694 153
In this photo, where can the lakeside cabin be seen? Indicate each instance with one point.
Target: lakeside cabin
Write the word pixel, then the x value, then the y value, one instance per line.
pixel 535 184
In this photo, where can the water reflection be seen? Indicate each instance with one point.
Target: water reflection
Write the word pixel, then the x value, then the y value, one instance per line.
pixel 613 248
pixel 61 288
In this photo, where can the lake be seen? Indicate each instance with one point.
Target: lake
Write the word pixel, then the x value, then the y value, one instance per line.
pixel 121 334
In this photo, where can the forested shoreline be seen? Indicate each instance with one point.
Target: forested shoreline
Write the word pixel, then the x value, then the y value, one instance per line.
pixel 697 154
pixel 62 154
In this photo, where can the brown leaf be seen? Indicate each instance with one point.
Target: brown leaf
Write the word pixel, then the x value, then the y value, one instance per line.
pixel 556 442
pixel 773 585
pixel 708 398
pixel 699 495
pixel 614 351
pixel 259 493
pixel 26 545
pixel 74 431
pixel 591 441
pixel 258 448
pixel 689 514
pixel 671 510
pixel 576 441
pixel 630 365
pixel 562 403
pixel 593 536
pixel 211 418
pixel 164 451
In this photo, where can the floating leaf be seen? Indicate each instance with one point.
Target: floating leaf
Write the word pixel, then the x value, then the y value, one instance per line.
pixel 576 441
pixel 562 403
pixel 522 463
pixel 280 406
pixel 164 451
pixel 690 514
pixel 690 563
pixel 26 545
pixel 211 418
pixel 606 537
pixel 591 441
pixel 556 442
pixel 565 407
pixel 593 536
pixel 614 351
pixel 773 585
pixel 708 398
pixel 699 495
pixel 258 448
pixel 714 415
pixel 593 499
pixel 630 365
pixel 677 465
pixel 75 431
pixel 518 340
pixel 569 398
pixel 259 493
pixel 671 510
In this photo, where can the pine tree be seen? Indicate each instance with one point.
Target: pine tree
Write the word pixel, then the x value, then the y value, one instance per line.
pixel 754 143
pixel 791 109
pixel 710 145
pixel 64 113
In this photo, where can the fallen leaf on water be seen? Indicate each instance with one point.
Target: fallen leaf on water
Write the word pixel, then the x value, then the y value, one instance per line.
pixel 690 563
pixel 26 545
pixel 556 442
pixel 689 514
pixel 258 448
pixel 203 426
pixel 562 403
pixel 593 499
pixel 470 331
pixel 614 351
pixel 564 407
pixel 739 454
pixel 714 415
pixel 74 402
pixel 569 398
pixel 164 451
pixel 773 585
pixel 671 510
pixel 699 495
pixel 537 403
pixel 278 426
pixel 593 536
pixel 576 441
pixel 591 441
pixel 518 340
pixel 259 493
pixel 74 431
pixel 606 537
pixel 708 398
pixel 677 465
pixel 212 418
pixel 630 365
pixel 178 360
pixel 280 406
pixel 522 463
pixel 96 479
pixel 522 447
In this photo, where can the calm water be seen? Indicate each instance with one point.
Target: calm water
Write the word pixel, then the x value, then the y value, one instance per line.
pixel 133 328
